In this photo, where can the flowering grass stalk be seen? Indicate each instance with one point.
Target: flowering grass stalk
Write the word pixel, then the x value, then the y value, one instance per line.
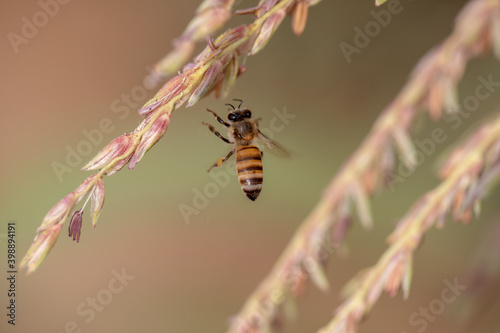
pixel 432 86
pixel 465 177
pixel 214 69
pixel 211 15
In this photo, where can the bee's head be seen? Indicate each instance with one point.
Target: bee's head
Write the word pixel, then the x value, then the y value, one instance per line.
pixel 239 114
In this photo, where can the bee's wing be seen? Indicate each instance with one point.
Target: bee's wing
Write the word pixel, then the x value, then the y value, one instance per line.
pixel 272 146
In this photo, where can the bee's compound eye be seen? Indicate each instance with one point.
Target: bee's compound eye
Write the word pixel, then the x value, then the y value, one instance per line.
pixel 231 116
pixel 247 114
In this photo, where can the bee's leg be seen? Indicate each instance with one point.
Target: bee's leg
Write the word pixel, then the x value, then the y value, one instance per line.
pixel 217 133
pixel 221 160
pixel 219 119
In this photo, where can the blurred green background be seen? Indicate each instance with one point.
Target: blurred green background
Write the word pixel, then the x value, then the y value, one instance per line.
pixel 192 277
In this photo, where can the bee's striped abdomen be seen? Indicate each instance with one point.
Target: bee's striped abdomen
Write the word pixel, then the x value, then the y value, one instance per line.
pixel 249 167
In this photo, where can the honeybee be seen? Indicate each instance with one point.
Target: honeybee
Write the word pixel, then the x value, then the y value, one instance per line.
pixel 243 134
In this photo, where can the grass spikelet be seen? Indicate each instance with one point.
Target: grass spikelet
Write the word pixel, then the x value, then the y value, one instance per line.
pixel 299 17
pixel 362 204
pixel 211 15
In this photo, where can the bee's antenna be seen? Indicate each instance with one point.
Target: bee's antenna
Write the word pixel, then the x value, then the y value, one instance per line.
pixel 239 100
pixel 231 105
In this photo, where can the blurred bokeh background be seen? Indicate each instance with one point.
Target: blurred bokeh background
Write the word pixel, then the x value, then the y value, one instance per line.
pixel 192 277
